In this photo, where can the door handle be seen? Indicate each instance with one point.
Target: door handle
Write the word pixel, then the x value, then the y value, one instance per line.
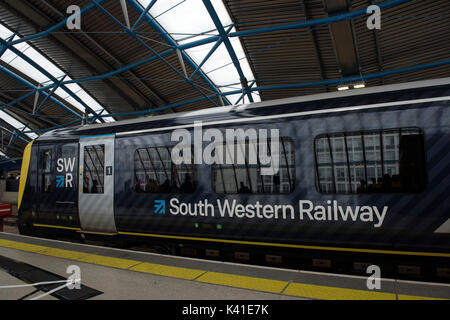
pixel 65 202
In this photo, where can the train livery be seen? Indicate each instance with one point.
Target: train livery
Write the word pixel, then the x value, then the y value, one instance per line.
pixel 366 169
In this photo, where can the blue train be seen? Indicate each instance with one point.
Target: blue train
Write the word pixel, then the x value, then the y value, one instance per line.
pixel 362 171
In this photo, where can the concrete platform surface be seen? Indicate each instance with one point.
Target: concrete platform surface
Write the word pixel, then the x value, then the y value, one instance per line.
pixel 126 274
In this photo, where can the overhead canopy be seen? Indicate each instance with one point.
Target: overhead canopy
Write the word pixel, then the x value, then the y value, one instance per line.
pixel 140 57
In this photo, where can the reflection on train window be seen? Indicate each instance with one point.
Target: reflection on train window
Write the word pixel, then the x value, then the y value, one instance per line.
pixel 383 161
pixel 94 169
pixel 155 172
pixel 247 178
pixel 46 171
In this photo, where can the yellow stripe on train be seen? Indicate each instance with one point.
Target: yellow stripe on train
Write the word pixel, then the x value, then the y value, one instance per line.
pixel 24 172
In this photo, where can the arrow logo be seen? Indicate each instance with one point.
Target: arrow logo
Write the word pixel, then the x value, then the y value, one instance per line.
pixel 160 206
pixel 59 181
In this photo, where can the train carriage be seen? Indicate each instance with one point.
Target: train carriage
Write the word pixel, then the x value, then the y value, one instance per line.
pixel 360 171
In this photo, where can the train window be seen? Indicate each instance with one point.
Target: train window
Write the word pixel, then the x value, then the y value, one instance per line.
pixel 46 171
pixel 155 172
pixel 247 178
pixel 94 169
pixel 383 161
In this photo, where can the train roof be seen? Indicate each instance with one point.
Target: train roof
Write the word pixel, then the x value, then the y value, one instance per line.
pixel 339 101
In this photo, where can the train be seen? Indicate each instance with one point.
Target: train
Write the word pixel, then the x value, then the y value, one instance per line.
pixel 358 171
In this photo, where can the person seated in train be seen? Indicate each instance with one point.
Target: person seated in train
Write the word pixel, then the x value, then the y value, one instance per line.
pixel 387 183
pixel 372 187
pixel 276 183
pixel 244 188
pixel 94 186
pixel 165 187
pixel 86 185
pixel 362 188
pixel 187 186
pixel 151 186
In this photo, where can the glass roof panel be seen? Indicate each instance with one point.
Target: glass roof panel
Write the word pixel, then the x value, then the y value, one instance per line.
pixel 16 124
pixel 26 68
pixel 188 20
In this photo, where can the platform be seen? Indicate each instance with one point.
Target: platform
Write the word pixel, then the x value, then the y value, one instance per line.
pixel 125 274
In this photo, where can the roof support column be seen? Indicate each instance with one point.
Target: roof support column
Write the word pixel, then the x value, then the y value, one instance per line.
pixel 4 47
pixel 343 38
pixel 143 14
pixel 243 93
pixel 213 49
pixel 35 110
pixel 213 14
pixel 25 82
pixel 173 44
pixel 51 77
pixel 133 34
pixel 54 28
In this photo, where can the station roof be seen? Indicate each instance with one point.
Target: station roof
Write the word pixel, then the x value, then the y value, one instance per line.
pixel 135 58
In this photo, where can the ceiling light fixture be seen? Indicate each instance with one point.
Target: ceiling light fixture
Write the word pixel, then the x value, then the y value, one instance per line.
pixel 343 87
pixel 359 85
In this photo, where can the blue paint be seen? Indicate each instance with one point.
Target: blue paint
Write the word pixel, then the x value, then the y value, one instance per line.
pixel 98 136
pixel 59 181
pixel 160 206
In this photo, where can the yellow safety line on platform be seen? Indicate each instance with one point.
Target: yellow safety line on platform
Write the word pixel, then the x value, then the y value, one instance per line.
pixel 217 278
pixel 333 293
pixel 244 282
pixel 168 271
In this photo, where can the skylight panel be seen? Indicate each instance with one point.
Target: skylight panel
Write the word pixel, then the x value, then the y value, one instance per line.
pixel 26 68
pixel 181 18
pixel 188 21
pixel 17 124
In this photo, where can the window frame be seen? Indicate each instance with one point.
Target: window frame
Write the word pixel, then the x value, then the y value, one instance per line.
pixel 362 134
pixel 193 171
pixel 86 152
pixel 285 138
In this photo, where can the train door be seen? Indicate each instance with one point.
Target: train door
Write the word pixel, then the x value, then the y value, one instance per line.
pixel 96 184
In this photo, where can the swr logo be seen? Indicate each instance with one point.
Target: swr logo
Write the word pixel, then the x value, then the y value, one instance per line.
pixel 67 165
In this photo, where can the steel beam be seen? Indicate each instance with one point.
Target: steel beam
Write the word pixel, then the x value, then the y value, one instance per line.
pixel 143 14
pixel 315 44
pixel 211 39
pixel 52 29
pixel 173 44
pixel 215 18
pixel 18 111
pixel 4 46
pixel 11 133
pixel 6 105
pixel 132 34
pixel 324 21
pixel 216 38
pixel 25 82
pixel 51 77
pixel 130 92
pixel 213 49
pixel 57 85
pixel 295 85
pixel 243 94
pixel 289 86
pixel 123 4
